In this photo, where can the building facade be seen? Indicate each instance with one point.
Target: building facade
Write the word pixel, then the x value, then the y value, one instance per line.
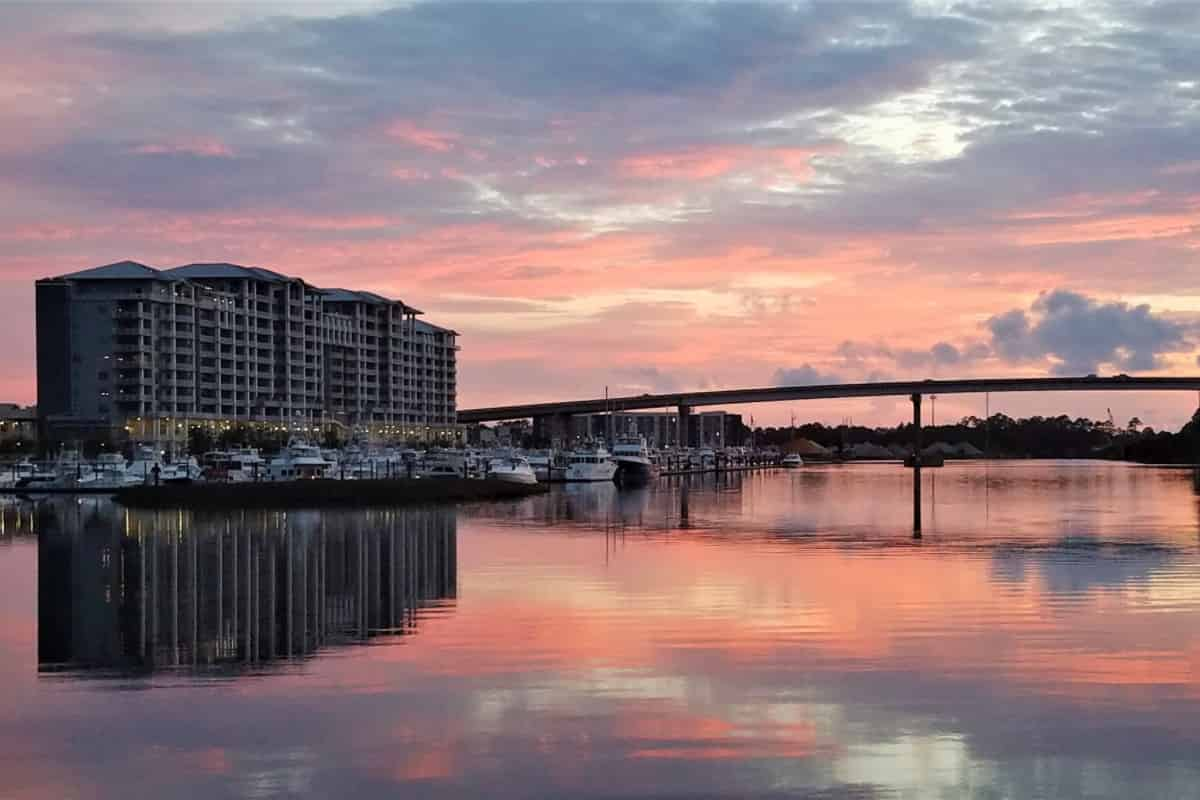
pixel 153 353
pixel 661 428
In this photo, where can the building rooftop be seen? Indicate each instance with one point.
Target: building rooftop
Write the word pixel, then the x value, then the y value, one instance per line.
pixel 121 270
pixel 351 296
pixel 132 270
pixel 425 327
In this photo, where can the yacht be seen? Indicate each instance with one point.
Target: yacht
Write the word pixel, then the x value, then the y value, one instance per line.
pixel 181 470
pixel 298 461
pixel 27 475
pixel 511 469
pixel 17 472
pixel 591 465
pixel 239 465
pixel 107 473
pixel 791 461
pixel 634 463
pixel 443 464
pixel 141 468
pixel 542 462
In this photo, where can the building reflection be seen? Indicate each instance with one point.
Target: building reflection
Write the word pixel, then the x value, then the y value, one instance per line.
pixel 139 590
pixel 17 519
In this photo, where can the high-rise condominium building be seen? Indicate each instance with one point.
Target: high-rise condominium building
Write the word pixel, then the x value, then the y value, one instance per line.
pixel 149 353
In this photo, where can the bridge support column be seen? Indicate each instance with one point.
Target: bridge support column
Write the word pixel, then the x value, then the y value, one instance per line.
pixel 683 430
pixel 916 470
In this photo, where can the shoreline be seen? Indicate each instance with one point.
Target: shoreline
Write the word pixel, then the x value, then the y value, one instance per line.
pixel 315 494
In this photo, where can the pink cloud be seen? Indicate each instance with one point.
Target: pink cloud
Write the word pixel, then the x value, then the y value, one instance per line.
pixel 410 174
pixel 706 162
pixel 422 137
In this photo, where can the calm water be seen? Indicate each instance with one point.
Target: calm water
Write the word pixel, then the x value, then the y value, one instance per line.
pixel 769 635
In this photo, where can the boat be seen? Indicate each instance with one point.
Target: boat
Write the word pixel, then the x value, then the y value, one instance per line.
pixel 22 470
pixel 591 464
pixel 443 464
pixel 634 464
pixel 238 465
pixel 141 468
pixel 511 469
pixel 298 461
pixel 109 472
pixel 182 470
pixel 542 462
pixel 791 461
pixel 27 475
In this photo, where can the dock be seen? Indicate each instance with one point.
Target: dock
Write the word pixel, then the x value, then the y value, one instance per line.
pixel 313 494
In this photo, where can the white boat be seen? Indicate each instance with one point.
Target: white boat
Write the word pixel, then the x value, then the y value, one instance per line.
pixel 791 461
pixel 239 465
pixel 182 470
pixel 590 465
pixel 443 464
pixel 542 462
pixel 298 461
pixel 147 467
pixel 511 469
pixel 16 472
pixel 634 463
pixel 141 467
pixel 109 472
pixel 27 475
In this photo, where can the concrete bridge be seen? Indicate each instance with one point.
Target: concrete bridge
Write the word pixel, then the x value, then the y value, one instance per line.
pixel 685 401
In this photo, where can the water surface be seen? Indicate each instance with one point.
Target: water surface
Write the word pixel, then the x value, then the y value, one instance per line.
pixel 776 634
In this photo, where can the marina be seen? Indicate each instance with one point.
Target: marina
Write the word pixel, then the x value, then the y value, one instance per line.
pixel 629 461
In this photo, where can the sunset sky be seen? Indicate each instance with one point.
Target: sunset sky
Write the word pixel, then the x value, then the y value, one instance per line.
pixel 642 196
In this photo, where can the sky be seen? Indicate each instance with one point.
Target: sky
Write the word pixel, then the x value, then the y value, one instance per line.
pixel 641 196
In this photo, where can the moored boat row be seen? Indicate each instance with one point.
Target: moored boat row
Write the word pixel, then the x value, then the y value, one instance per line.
pixel 630 461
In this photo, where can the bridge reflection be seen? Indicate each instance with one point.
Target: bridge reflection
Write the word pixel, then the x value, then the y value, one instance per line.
pixel 141 591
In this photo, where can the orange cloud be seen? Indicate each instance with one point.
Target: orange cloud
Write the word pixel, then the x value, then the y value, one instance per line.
pixel 702 163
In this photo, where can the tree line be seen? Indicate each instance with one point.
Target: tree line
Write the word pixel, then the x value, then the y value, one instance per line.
pixel 1001 436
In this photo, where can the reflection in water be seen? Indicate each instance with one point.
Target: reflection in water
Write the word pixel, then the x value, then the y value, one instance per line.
pixel 17 519
pixel 761 635
pixel 144 590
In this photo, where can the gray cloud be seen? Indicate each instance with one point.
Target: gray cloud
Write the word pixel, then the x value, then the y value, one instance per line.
pixel 1080 334
pixel 1076 334
pixel 651 379
pixel 804 375
pixel 860 356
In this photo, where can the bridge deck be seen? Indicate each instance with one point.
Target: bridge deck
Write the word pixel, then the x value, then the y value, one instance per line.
pixel 785 393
